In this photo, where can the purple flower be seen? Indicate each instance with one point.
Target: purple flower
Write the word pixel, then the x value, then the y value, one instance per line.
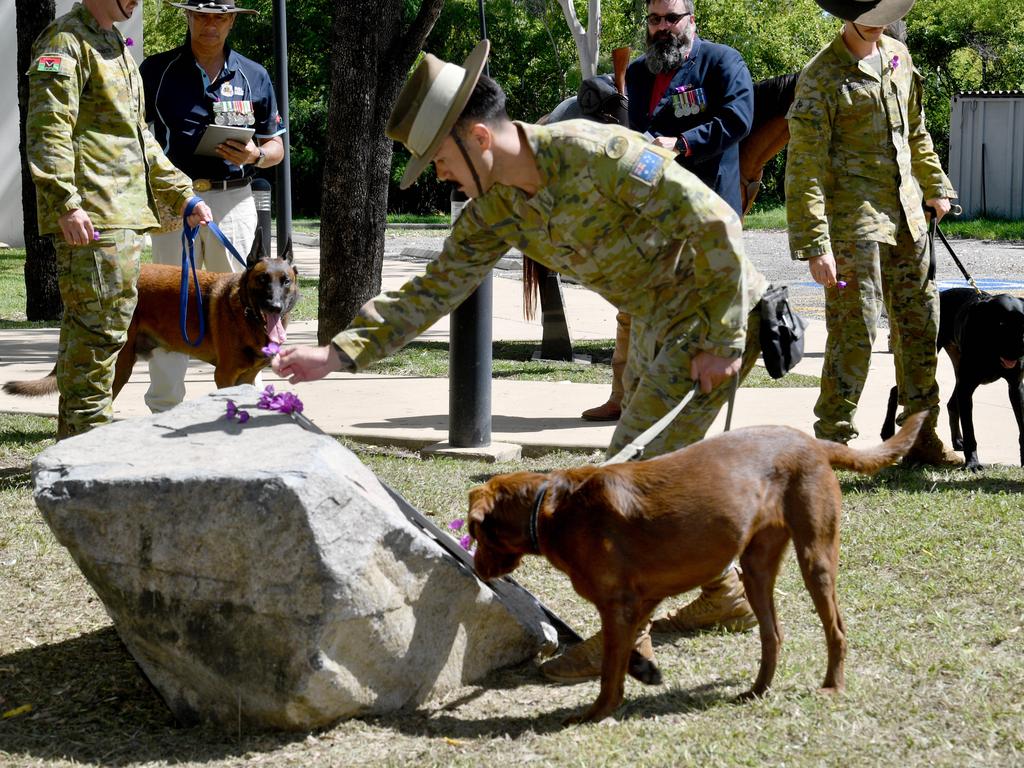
pixel 236 414
pixel 286 402
pixel 456 525
pixel 841 283
pixel 129 42
pixel 894 62
pixel 95 234
pixel 271 349
pixel 465 542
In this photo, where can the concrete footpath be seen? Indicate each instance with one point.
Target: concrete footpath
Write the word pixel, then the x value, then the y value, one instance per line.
pixel 539 416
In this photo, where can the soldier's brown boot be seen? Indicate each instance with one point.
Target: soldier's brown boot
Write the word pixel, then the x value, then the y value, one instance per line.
pixel 931 451
pixel 609 411
pixel 582 662
pixel 722 604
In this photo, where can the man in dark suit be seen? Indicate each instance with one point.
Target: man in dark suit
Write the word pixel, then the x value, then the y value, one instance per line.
pixel 693 96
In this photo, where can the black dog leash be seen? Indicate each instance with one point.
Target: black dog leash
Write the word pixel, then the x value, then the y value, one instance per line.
pixel 935 229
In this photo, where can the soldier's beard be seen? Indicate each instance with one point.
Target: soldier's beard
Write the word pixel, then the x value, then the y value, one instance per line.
pixel 666 51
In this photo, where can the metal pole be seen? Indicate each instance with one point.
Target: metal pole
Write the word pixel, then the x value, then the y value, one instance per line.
pixel 284 168
pixel 261 196
pixel 469 352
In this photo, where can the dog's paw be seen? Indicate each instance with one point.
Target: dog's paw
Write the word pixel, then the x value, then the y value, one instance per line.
pixel 644 670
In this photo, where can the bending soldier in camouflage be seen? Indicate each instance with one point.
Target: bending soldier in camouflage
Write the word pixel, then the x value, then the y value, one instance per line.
pixel 859 159
pixel 97 171
pixel 593 201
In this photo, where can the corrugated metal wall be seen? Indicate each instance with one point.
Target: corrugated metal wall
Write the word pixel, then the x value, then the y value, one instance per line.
pixel 986 153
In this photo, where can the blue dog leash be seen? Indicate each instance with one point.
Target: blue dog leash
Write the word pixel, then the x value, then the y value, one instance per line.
pixel 188 264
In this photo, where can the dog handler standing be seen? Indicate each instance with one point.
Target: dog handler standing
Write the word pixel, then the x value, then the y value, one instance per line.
pixel 98 173
pixel 593 201
pixel 202 82
pixel 860 166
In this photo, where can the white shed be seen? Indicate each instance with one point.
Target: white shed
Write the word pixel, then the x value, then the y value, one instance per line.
pixel 986 152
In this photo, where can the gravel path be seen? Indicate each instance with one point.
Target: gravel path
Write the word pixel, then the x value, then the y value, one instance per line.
pixel 996 266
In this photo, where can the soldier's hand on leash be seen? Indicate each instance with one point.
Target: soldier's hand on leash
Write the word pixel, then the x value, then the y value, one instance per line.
pixel 938 207
pixel 711 370
pixel 299 364
pixel 201 214
pixel 76 226
pixel 823 270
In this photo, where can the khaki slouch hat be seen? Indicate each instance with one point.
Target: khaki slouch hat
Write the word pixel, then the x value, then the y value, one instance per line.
pixel 868 13
pixel 430 104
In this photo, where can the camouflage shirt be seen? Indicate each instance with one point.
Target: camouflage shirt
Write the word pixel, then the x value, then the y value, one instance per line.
pixel 859 154
pixel 612 211
pixel 88 145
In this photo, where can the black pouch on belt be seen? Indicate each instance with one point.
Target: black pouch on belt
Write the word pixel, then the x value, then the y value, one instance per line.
pixel 782 332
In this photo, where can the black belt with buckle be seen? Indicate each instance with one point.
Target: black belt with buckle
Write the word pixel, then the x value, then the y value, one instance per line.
pixel 205 185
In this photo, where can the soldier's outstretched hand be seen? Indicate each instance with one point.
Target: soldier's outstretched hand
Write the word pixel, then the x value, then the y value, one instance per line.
pixel 308 363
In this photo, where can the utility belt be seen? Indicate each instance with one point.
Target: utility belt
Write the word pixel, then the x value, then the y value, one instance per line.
pixel 205 185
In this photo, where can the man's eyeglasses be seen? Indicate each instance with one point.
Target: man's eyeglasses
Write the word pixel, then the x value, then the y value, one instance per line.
pixel 655 19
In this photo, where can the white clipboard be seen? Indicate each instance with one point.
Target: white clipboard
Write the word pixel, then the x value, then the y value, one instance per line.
pixel 218 134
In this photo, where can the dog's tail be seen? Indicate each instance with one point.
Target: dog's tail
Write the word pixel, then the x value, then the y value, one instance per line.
pixel 34 387
pixel 870 461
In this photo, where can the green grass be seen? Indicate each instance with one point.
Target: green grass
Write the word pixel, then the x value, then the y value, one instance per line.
pixel 774 217
pixel 929 587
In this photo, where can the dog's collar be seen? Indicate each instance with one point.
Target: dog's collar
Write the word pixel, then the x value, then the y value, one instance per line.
pixel 535 514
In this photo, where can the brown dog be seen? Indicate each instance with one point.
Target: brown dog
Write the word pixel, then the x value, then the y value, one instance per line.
pixel 629 535
pixel 244 311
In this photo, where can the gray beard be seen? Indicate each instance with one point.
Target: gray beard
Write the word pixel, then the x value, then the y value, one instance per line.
pixel 667 54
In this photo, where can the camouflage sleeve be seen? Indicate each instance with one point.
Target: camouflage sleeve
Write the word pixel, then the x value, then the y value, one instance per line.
pixel 925 162
pixel 169 184
pixel 392 319
pixel 681 208
pixel 807 167
pixel 55 81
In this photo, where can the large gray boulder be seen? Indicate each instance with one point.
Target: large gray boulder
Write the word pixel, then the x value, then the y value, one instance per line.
pixel 259 572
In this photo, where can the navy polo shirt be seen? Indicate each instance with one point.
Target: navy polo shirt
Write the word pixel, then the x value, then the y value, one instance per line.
pixel 180 103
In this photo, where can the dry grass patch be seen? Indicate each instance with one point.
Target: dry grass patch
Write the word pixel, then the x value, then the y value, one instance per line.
pixel 929 586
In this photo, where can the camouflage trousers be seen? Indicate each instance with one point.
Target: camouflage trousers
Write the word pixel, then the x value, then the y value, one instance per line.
pixel 875 273
pixel 98 287
pixel 657 377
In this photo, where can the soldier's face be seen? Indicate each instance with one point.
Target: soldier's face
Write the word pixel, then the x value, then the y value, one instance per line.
pixel 450 164
pixel 870 34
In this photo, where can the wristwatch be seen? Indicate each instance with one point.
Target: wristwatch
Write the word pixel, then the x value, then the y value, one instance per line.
pixel 261 158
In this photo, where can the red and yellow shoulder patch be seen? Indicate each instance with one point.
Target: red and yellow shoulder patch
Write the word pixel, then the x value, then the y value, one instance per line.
pixel 54 64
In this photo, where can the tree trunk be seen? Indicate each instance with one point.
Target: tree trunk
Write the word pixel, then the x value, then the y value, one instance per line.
pixel 588 41
pixel 372 50
pixel 42 296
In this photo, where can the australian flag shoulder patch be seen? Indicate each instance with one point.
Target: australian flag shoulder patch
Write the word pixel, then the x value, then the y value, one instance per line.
pixel 647 166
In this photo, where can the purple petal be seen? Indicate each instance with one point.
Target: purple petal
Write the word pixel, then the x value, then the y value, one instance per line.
pixel 465 541
pixel 243 416
pixel 456 525
pixel 129 42
pixel 232 409
pixel 271 349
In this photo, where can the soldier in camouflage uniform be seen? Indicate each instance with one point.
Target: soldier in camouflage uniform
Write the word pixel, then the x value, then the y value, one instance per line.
pixel 860 166
pixel 593 201
pixel 97 172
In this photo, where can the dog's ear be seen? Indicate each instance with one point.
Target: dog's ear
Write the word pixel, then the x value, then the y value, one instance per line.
pixel 481 501
pixel 286 254
pixel 256 252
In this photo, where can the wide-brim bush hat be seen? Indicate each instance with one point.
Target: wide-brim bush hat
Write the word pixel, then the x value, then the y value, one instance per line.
pixel 868 13
pixel 430 104
pixel 212 6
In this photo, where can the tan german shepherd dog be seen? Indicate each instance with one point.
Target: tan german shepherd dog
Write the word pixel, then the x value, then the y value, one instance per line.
pixel 244 311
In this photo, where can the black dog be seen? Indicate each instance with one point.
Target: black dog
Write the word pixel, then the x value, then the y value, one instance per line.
pixel 984 338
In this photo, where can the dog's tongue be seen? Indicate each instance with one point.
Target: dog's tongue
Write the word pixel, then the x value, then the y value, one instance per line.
pixel 1008 364
pixel 275 329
